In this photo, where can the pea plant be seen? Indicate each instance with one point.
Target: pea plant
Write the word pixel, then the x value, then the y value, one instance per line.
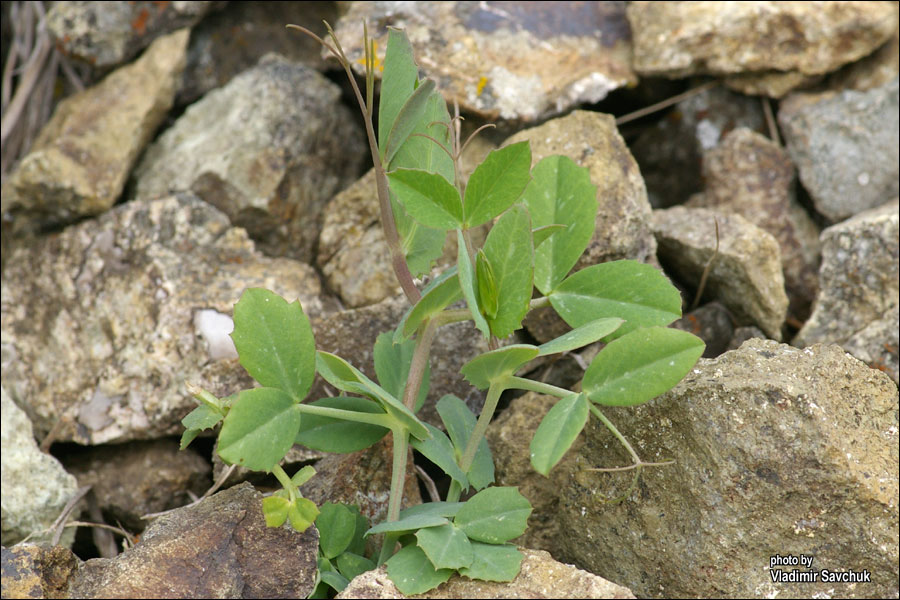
pixel 542 219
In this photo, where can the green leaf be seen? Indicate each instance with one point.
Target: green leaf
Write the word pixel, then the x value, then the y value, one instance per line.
pixel 202 417
pixel 413 573
pixel 421 245
pixel 447 547
pixel 302 513
pixel 344 376
pixel 439 450
pixel 627 289
pixel 432 509
pixel 336 524
pixel 497 364
pixel 328 434
pixel 494 515
pixel 560 192
pixel 581 336
pixel 641 365
pixel 275 342
pixel 542 234
pixel 428 198
pixel 398 82
pixel 259 430
pixel 187 437
pixel 493 562
pixel 358 544
pixel 509 252
pixel 467 284
pixel 275 510
pixel 419 152
pixel 303 475
pixel 334 580
pixel 460 422
pixel 392 363
pixel 350 565
pixel 407 120
pixel 558 431
pixel 407 524
pixel 437 295
pixel 497 183
pixel 486 285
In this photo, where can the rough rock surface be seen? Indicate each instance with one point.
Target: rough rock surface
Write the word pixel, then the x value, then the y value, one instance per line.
pixel 107 34
pixel 269 150
pixel 749 175
pixel 138 478
pixel 860 282
pixel 683 38
pixel 80 162
pixel 99 322
pixel 513 60
pixel 33 571
pixel 774 84
pixel 670 152
pixel 778 450
pixel 36 488
pixel 875 70
pixel 712 323
pixel 233 39
pixel 846 147
pixel 220 548
pixel 746 274
pixel 540 577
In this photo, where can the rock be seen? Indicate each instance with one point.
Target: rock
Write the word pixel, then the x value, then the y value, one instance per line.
pixel 845 146
pixel 138 478
pixel 232 40
pixel 362 478
pixel 351 335
pixel 99 321
pixel 746 274
pixel 220 548
pixel 742 334
pixel 773 84
pixel 269 150
pixel 36 488
pixel 509 437
pixel 875 70
pixel 778 450
pixel 749 175
pixel 670 151
pixel 540 577
pixel 33 571
pixel 79 163
pixel 859 287
pixel 106 35
pixel 685 38
pixel 712 323
pixel 516 60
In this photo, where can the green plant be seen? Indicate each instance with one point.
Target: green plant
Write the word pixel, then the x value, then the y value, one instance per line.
pixel 542 220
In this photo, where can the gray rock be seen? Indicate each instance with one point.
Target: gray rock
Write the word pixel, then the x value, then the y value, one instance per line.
pixel 749 175
pixel 876 344
pixel 36 488
pixel 80 162
pixel 269 150
pixel 540 577
pixel 845 146
pixel 105 35
pixel 670 151
pixel 34 571
pixel 746 274
pixel 712 323
pixel 219 548
pixel 138 478
pixel 233 39
pixel 99 321
pixel 859 285
pixel 682 38
pixel 778 450
pixel 516 60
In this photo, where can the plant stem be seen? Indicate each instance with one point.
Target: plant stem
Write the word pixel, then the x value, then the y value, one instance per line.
pixel 285 482
pixel 398 479
pixel 419 363
pixel 539 302
pixel 382 420
pixel 540 387
pixel 615 432
pixel 484 419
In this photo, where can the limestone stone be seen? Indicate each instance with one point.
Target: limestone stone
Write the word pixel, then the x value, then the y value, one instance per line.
pixel 516 60
pixel 845 146
pixel 99 321
pixel 80 162
pixel 269 150
pixel 746 274
pixel 777 450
